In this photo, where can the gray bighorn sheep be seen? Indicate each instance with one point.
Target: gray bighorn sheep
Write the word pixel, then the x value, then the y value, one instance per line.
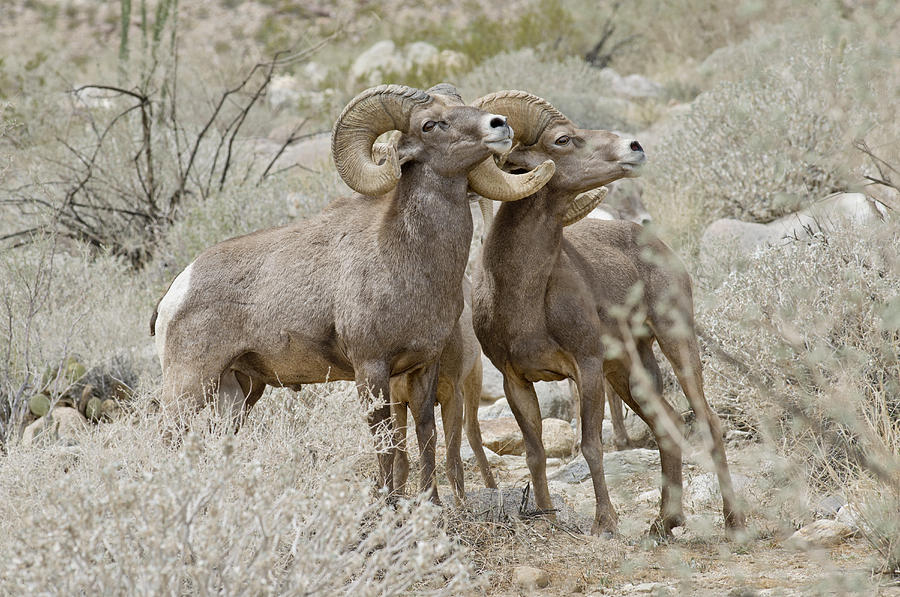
pixel 543 305
pixel 368 289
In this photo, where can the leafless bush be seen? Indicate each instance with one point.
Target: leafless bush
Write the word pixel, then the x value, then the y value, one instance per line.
pixel 604 51
pixel 132 157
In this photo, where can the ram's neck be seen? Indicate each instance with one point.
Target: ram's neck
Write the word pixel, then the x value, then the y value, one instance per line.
pixel 429 226
pixel 520 252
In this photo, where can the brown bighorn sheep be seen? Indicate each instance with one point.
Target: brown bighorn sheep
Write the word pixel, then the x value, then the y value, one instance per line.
pixel 368 289
pixel 543 305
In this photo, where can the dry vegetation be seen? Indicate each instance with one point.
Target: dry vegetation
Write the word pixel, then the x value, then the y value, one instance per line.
pixel 107 192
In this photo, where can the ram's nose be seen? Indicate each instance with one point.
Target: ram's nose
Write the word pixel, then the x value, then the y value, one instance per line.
pixel 498 122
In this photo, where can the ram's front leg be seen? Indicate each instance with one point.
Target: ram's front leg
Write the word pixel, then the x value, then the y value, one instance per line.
pixel 524 403
pixel 372 383
pixel 422 399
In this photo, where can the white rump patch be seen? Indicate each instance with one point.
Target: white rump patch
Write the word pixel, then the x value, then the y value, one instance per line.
pixel 169 306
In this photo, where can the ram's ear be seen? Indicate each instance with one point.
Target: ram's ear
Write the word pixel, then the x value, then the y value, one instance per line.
pixel 408 148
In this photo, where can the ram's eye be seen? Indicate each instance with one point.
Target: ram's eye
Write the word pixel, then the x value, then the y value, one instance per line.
pixel 564 140
pixel 428 126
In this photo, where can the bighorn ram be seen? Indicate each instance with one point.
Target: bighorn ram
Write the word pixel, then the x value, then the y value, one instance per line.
pixel 544 305
pixel 368 289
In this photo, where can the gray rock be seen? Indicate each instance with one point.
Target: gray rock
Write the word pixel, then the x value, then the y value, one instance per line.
pixel 558 437
pixel 632 85
pixel 729 242
pixel 703 490
pixel 652 496
pixel 555 400
pixel 63 424
pixel 829 506
pixel 850 516
pixel 497 410
pixel 821 533
pixel 503 436
pixel 370 67
pixel 468 455
pixel 420 53
pixel 528 578
pixel 284 92
pixel 491 380
pixel 615 464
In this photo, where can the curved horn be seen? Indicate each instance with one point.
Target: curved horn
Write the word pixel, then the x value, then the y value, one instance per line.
pixel 583 204
pixel 490 181
pixel 527 114
pixel 368 115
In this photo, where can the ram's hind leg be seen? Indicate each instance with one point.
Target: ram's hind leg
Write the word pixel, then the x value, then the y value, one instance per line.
pixel 659 415
pixel 684 355
pixel 472 396
pixel 185 391
pixel 620 435
pixel 451 398
pixel 591 389
pixel 401 456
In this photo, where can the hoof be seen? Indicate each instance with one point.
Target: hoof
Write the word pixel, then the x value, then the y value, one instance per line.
pixel 606 529
pixel 661 528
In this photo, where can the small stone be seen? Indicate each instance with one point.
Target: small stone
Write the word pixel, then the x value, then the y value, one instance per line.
pixel 850 516
pixel 647 587
pixel 491 381
pixel 821 533
pixel 497 410
pixel 558 438
pixel 829 506
pixel 62 423
pixel 529 578
pixel 737 436
pixel 39 405
pixel 503 436
pixel 653 496
pixel 703 490
pixel 108 408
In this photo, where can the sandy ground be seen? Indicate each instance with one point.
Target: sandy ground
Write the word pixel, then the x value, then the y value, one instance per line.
pixel 699 561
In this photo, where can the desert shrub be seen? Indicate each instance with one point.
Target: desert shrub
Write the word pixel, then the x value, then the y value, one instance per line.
pixel 242 209
pixel 763 146
pixel 58 304
pixel 284 507
pixel 805 348
pixel 571 85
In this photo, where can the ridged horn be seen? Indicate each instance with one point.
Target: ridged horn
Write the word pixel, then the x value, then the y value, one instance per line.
pixel 488 180
pixel 583 204
pixel 527 114
pixel 368 115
